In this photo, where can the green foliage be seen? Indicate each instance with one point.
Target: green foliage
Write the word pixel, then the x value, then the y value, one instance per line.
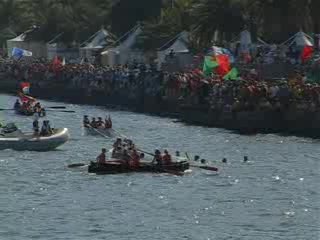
pixel 275 20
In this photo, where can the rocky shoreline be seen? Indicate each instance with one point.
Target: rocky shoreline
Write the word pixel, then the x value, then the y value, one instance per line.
pixel 292 122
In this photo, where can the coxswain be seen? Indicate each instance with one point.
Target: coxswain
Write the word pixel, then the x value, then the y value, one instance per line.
pixel 245 159
pixel 100 123
pixel 166 158
pixel 86 121
pixel 36 127
pixel 196 158
pixel 17 104
pixel 177 154
pixel 101 159
pixel 157 158
pixel 93 123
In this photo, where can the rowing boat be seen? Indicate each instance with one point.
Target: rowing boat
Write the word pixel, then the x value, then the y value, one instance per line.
pixel 25 112
pixel 20 141
pixel 109 132
pixel 117 167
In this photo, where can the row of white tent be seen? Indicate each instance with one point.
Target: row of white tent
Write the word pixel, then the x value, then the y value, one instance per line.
pixel 122 50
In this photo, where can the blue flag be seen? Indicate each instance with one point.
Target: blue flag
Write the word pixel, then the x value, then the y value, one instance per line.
pixel 18 52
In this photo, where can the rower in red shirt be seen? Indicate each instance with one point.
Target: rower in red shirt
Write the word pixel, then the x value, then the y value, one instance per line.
pixel 135 159
pixel 166 158
pixel 101 159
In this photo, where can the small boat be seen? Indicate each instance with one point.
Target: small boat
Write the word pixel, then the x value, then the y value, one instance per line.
pixel 26 112
pixel 116 167
pixel 20 141
pixel 107 132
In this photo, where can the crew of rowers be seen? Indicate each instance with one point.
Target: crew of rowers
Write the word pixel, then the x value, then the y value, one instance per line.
pixel 46 129
pixel 107 123
pixel 127 152
pixel 29 106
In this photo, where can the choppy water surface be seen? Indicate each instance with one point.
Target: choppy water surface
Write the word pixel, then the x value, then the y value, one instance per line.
pixel 274 196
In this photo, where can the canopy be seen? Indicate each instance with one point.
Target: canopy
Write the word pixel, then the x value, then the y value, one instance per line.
pixel 99 40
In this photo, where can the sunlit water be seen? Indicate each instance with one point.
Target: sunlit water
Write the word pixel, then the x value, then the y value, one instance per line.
pixel 274 196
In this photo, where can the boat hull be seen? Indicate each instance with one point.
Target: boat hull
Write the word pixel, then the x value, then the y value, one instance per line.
pixel 22 112
pixel 29 142
pixel 118 168
pixel 108 132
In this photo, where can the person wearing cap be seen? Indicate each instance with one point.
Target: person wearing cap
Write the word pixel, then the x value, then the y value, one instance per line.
pixel 157 157
pixel 17 104
pixel 86 121
pixel 35 125
pixel 100 123
pixel 93 123
pixel 166 158
pixel 101 159
pixel 118 143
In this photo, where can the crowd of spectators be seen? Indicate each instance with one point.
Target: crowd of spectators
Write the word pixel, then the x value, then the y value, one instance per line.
pixel 249 92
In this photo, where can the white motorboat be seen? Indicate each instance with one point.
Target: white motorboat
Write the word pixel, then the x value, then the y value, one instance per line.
pixel 20 141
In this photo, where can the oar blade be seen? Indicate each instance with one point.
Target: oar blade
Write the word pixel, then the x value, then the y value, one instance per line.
pixel 57 107
pixel 214 169
pixel 74 165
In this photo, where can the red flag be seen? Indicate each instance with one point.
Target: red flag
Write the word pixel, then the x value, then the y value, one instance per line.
pixel 56 64
pixel 25 87
pixel 224 65
pixel 306 54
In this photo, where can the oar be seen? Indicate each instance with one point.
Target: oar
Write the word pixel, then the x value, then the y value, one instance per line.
pixel 120 134
pixel 74 165
pixel 98 132
pixel 57 107
pixel 65 111
pixel 214 169
pixel 3 109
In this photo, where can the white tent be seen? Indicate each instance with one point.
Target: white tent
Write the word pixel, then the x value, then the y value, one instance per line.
pixel 56 47
pixel 245 41
pixel 122 51
pixel 37 48
pixel 300 39
pixel 179 45
pixel 96 42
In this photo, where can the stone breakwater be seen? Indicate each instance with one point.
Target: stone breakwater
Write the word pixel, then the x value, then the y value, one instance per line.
pixel 288 121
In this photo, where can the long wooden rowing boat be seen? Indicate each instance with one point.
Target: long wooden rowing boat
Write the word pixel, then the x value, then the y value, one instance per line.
pixel 118 168
pixel 104 132
pixel 26 112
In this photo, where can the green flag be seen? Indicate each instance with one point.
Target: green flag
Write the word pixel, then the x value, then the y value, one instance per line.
pixel 232 75
pixel 208 65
